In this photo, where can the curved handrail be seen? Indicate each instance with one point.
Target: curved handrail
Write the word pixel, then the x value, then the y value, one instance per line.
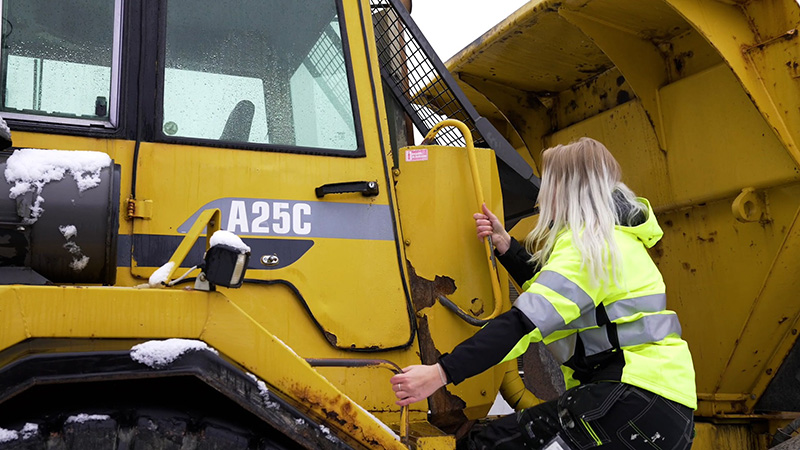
pixel 382 363
pixel 473 165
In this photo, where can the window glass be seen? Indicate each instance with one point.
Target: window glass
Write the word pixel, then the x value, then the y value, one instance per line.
pixel 57 58
pixel 267 72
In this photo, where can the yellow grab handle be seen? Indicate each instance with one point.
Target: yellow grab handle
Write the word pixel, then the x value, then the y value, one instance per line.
pixel 473 166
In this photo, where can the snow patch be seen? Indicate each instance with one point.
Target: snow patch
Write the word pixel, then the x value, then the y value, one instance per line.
pixel 158 354
pixel 69 231
pixel 159 277
pixel 79 264
pixel 262 389
pixel 327 433
pixel 28 431
pixel 8 435
pixel 30 169
pixel 4 130
pixel 83 418
pixel 286 346
pixel 79 260
pixel 230 239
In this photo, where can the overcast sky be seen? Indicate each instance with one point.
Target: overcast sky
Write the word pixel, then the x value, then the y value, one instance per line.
pixel 450 25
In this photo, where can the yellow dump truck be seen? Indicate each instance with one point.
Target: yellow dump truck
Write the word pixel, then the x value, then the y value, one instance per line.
pixel 214 232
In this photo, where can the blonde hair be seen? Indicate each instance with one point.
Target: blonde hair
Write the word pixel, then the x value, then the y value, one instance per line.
pixel 579 182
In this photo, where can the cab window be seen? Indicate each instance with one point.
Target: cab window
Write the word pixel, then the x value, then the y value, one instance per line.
pixel 59 60
pixel 269 73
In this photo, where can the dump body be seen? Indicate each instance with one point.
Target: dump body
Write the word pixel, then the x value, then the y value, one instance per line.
pixel 699 101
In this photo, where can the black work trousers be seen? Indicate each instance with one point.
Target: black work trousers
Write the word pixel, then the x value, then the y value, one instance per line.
pixel 597 415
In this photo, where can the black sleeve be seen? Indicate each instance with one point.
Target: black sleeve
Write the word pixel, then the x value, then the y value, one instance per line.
pixel 487 347
pixel 516 261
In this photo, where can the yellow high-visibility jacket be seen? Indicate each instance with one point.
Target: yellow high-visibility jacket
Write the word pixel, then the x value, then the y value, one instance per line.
pixel 609 331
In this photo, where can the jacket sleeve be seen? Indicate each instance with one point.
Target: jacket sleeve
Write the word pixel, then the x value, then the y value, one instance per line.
pixel 516 261
pixel 487 347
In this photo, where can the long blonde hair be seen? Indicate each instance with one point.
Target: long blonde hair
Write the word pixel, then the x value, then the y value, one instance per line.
pixel 579 182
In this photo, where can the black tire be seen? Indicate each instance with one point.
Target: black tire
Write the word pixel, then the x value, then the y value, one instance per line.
pixel 145 431
pixel 199 402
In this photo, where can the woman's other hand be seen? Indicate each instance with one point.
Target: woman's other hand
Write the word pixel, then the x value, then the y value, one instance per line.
pixel 488 224
pixel 416 383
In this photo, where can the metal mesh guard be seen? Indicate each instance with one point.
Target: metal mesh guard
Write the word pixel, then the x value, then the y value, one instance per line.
pixel 416 75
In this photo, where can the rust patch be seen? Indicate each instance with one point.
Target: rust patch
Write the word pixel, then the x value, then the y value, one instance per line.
pixel 710 237
pixel 425 292
pixel 447 410
pixel 571 106
pixel 330 337
pixel 680 61
pixel 657 251
pixel 477 307
pixel 335 410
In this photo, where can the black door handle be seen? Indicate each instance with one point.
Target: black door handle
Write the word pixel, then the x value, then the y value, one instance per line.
pixel 367 188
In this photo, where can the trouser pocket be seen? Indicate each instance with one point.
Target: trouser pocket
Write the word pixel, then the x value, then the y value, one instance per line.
pixel 662 424
pixel 581 410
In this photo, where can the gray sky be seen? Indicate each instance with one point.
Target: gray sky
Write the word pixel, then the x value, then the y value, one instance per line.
pixel 450 25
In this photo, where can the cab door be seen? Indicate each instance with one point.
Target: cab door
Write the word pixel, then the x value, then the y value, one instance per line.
pixel 266 110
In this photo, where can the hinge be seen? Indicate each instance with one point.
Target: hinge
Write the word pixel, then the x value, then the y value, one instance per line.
pixel 140 209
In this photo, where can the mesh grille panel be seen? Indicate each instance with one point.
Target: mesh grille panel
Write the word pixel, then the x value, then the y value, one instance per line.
pixel 417 76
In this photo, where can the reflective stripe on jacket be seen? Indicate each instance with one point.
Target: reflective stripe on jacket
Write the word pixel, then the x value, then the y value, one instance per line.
pixel 586 325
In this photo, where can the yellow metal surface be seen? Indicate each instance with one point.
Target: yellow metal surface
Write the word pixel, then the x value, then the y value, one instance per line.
pixel 436 443
pixel 759 41
pixel 758 353
pixel 73 312
pixel 209 220
pixel 365 363
pixel 729 437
